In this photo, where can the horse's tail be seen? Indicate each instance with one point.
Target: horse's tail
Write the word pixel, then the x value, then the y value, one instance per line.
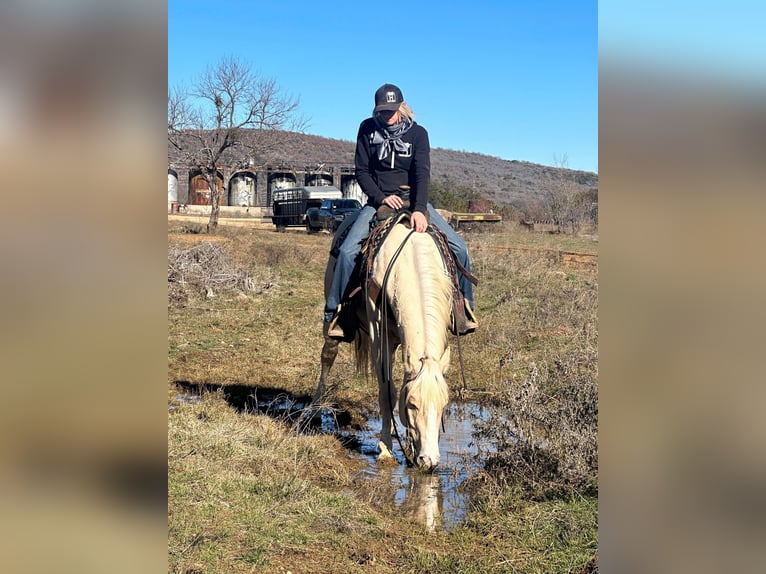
pixel 362 352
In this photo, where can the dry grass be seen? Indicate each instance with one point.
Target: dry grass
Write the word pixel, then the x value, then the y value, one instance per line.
pixel 244 488
pixel 538 355
pixel 248 495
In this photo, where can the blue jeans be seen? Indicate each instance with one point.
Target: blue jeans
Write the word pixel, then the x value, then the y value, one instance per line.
pixel 352 244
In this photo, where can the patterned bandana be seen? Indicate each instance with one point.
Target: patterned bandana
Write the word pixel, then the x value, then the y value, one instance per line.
pixel 387 136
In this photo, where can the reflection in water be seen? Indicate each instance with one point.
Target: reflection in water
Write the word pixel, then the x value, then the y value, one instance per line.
pixel 422 499
pixel 435 500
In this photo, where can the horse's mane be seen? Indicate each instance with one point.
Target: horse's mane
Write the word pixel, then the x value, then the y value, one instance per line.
pixel 422 297
pixel 421 300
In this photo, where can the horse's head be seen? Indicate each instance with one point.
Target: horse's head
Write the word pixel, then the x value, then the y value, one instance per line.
pixel 421 406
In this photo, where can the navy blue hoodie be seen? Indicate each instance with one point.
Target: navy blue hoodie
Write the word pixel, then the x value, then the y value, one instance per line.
pixel 379 178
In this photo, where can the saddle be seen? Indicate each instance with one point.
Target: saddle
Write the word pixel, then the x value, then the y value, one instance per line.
pixel 463 319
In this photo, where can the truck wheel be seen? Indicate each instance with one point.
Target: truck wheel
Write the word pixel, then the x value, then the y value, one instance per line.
pixel 310 229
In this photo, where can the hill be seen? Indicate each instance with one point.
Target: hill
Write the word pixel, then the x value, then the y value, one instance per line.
pixel 500 180
pixel 511 182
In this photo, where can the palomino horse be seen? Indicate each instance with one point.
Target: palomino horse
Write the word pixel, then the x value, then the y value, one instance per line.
pixel 408 302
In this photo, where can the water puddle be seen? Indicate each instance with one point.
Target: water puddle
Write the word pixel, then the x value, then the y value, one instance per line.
pixel 435 500
pixel 438 500
pixel 184 399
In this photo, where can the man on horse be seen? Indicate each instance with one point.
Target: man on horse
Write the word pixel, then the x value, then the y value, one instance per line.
pixel 393 168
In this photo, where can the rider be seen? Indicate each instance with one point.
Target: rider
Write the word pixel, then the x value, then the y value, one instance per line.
pixel 392 152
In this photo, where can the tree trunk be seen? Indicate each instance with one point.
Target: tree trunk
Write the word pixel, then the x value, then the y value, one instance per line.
pixel 215 201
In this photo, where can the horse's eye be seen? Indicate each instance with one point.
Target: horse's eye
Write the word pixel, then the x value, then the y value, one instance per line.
pixel 412 407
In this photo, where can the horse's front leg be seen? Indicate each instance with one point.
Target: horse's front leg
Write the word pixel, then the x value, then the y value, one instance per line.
pixel 329 354
pixel 330 346
pixel 386 399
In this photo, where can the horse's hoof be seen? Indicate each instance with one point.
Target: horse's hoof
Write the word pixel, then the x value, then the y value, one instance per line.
pixel 385 454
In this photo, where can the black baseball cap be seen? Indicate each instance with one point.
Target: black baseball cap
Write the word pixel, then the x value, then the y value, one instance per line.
pixel 388 97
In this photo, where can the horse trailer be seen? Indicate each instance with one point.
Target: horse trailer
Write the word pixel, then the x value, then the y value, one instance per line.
pixel 290 204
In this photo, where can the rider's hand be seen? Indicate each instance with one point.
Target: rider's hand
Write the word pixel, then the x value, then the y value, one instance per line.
pixel 418 221
pixel 393 201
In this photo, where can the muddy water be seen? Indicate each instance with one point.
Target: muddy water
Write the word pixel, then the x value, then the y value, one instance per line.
pixel 435 500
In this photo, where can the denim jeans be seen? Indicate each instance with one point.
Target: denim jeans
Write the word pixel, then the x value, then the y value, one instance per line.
pixel 352 244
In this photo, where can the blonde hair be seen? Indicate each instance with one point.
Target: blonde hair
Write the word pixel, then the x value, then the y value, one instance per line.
pixel 406 111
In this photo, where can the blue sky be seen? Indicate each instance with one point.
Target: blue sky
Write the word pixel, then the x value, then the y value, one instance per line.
pixel 515 80
pixel 723 41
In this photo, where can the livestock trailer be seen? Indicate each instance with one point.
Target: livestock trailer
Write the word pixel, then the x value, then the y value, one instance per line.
pixel 290 204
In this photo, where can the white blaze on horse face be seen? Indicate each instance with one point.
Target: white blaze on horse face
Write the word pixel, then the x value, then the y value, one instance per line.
pixel 421 404
pixel 429 451
pixel 423 430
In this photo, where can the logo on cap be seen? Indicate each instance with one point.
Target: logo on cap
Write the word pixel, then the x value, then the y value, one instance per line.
pixel 391 97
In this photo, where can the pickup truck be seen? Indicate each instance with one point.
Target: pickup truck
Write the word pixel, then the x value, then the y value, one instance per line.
pixel 330 214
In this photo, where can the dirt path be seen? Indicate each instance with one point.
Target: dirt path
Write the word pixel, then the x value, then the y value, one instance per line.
pixel 259 222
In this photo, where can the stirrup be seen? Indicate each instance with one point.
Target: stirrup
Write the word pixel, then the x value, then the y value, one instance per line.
pixel 464 320
pixel 339 328
pixel 471 323
pixel 334 330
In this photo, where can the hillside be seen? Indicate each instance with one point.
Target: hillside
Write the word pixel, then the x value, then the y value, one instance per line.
pixel 510 182
pixel 503 181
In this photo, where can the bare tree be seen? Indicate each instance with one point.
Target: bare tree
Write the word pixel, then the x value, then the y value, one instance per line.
pixel 230 116
pixel 564 201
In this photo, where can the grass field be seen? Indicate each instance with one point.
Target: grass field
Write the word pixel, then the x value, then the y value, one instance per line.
pixel 248 494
